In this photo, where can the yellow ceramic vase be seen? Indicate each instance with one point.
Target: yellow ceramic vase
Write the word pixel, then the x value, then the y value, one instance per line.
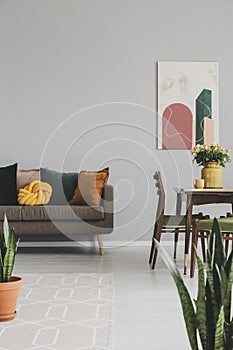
pixel 212 175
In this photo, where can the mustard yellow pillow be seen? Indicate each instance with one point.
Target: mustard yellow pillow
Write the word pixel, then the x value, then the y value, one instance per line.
pixel 90 187
pixel 36 193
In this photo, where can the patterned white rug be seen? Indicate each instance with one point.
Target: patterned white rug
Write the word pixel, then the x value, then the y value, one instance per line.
pixel 62 312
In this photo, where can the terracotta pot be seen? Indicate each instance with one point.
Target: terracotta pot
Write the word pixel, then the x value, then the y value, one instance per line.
pixel 212 175
pixel 9 292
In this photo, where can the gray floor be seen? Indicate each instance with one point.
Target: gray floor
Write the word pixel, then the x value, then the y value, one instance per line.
pixel 147 310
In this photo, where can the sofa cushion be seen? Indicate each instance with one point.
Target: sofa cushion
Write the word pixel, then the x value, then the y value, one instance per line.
pixel 13 212
pixel 60 212
pixel 24 177
pixel 90 187
pixel 63 185
pixel 8 192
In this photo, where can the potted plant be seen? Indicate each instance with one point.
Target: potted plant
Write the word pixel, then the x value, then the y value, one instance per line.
pixel 9 285
pixel 212 157
pixel 209 317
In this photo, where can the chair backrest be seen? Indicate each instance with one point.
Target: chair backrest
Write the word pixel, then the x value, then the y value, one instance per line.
pixel 161 201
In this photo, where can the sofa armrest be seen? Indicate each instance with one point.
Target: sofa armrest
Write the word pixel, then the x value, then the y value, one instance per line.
pixel 108 193
pixel 107 202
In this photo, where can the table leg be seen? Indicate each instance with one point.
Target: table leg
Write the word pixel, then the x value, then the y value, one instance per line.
pixel 187 233
pixel 178 212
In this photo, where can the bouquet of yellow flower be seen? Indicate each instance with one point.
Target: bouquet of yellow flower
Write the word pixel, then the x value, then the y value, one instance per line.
pixel 211 153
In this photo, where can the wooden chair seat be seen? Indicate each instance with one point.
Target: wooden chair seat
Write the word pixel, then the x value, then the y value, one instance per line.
pixel 173 221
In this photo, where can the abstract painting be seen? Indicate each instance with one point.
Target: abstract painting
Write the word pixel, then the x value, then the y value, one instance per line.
pixel 187 104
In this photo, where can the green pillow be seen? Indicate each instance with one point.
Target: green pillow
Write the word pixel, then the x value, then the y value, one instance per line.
pixel 63 185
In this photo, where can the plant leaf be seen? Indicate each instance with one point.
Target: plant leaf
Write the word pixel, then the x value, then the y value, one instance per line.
pixel 227 301
pixel 17 245
pixel 224 283
pixel 221 283
pixel 6 230
pixel 9 259
pixel 209 318
pixel 201 304
pixel 227 296
pixel 2 246
pixel 219 342
pixel 211 249
pixel 219 255
pixel 185 299
pixel 229 335
pixel 8 264
pixel 211 285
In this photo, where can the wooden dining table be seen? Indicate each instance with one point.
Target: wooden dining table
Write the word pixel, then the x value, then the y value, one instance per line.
pixel 199 197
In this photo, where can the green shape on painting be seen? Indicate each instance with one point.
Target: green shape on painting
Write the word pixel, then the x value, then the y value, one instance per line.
pixel 203 109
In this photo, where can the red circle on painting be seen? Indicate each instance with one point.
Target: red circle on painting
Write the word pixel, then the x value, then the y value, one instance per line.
pixel 177 126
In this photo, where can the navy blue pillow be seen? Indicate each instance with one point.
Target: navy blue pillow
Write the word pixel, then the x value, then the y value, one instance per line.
pixel 8 189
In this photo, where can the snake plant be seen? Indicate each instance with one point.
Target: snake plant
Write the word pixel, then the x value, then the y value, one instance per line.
pixel 8 248
pixel 209 316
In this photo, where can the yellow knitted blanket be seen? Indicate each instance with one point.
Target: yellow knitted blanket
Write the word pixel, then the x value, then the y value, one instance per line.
pixel 36 193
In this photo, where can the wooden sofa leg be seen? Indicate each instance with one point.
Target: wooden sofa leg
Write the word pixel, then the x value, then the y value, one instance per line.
pixel 101 247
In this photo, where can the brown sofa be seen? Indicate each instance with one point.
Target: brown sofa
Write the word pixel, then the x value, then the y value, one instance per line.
pixel 65 219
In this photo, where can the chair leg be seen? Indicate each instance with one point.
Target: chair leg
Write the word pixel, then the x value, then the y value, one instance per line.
pixel 152 245
pixel 152 250
pixel 203 248
pixel 101 247
pixel 193 255
pixel 158 237
pixel 176 237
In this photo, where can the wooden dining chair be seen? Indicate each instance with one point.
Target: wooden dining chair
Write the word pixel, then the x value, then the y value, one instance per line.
pixel 165 223
pixel 202 228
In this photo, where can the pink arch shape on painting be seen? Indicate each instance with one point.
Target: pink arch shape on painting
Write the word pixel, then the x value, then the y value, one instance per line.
pixel 177 125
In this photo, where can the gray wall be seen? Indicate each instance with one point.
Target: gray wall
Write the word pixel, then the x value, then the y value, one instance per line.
pixel 77 90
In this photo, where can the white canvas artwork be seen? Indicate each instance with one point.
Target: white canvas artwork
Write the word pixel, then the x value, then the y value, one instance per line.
pixel 187 104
